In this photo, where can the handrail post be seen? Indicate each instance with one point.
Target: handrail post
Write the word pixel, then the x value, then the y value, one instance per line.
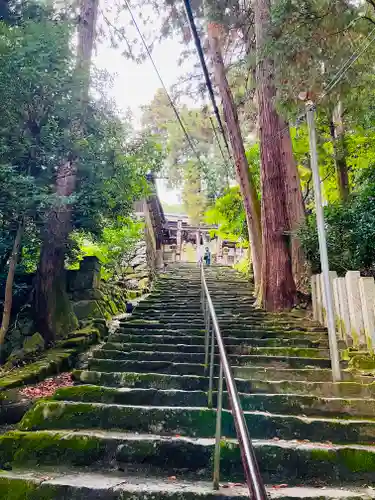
pixel 212 366
pixel 219 409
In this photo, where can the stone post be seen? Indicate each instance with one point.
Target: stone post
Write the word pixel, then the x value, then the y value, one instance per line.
pixel 355 308
pixel 332 276
pixel 219 249
pixel 225 256
pixel 336 301
pixel 159 259
pixel 198 243
pixel 314 297
pixel 367 293
pixel 178 240
pixel 344 315
pixel 319 299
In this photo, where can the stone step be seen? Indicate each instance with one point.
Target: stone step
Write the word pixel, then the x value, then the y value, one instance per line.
pixel 291 404
pixel 282 373
pixel 296 462
pixel 190 329
pixel 255 359
pixel 277 367
pixel 105 365
pixel 125 341
pixel 200 382
pixel 192 421
pixel 96 485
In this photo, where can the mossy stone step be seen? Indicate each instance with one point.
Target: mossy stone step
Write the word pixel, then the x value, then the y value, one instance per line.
pixel 192 421
pixel 364 389
pixel 291 404
pixel 105 365
pixel 143 380
pixel 255 359
pixel 173 356
pixel 79 484
pixel 299 463
pixel 159 331
pixel 157 325
pixel 244 332
pixel 233 344
pixel 125 348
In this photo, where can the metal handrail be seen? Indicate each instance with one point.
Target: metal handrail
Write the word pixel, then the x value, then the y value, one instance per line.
pixel 254 480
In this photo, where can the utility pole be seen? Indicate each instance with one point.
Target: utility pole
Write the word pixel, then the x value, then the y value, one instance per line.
pixel 333 347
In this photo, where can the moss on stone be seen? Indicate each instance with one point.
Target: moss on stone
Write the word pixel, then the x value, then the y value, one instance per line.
pixel 45 448
pixel 362 362
pixel 53 361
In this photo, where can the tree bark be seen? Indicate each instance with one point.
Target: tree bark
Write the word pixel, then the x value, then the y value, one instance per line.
pixel 53 312
pixel 338 137
pixel 9 283
pixel 278 287
pixel 295 207
pixel 248 190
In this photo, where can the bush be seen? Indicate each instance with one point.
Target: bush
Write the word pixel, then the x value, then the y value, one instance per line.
pixel 350 229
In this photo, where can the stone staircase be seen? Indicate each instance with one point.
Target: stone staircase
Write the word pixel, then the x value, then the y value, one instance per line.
pixel 137 425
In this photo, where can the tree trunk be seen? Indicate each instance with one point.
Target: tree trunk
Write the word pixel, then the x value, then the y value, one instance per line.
pixel 338 137
pixel 295 207
pixel 53 312
pixel 278 287
pixel 9 283
pixel 248 191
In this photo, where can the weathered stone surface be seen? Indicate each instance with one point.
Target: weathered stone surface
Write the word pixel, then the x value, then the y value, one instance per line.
pixel 355 308
pixel 142 403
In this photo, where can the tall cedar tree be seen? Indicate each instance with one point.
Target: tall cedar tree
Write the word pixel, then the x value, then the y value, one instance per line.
pixel 53 313
pixel 278 290
pixel 248 191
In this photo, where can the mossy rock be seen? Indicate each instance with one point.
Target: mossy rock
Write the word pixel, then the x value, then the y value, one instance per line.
pixel 34 343
pixel 53 361
pixel 362 362
pixel 87 309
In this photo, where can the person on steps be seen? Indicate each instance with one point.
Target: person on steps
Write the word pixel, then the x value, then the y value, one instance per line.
pixel 207 256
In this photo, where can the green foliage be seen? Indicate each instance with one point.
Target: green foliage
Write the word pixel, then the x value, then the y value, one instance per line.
pixel 114 248
pixel 228 213
pixel 193 197
pixel 350 234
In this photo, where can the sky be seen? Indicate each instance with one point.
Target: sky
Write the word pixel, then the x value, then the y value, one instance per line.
pixel 135 84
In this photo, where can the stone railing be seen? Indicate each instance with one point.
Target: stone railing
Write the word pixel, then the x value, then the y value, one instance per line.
pixel 354 307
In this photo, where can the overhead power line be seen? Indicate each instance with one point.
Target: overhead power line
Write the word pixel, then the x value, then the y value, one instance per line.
pixel 164 86
pixel 198 45
pixel 217 138
pixel 347 65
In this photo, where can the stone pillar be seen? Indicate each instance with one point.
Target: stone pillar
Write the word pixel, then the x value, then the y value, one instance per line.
pixel 225 256
pixel 355 308
pixel 159 259
pixel 314 297
pixel 344 315
pixel 198 243
pixel 336 301
pixel 178 240
pixel 332 276
pixel 367 293
pixel 319 299
pixel 219 249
